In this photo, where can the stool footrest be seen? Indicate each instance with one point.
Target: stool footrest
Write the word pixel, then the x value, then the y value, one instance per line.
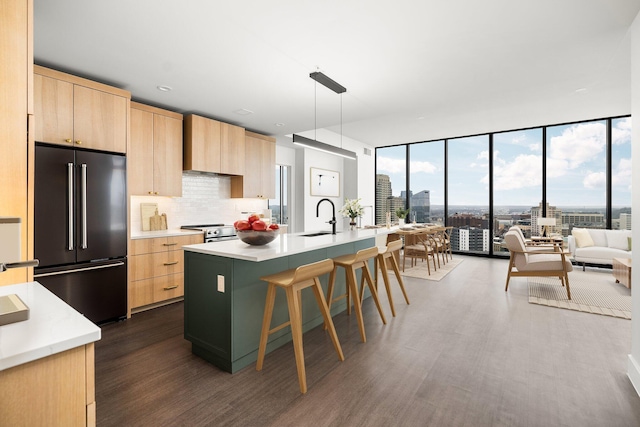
pixel 277 328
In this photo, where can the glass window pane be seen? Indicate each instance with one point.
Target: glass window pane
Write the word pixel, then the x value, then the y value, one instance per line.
pixel 468 184
pixel 517 182
pixel 621 174
pixel 391 179
pixel 426 177
pixel 576 177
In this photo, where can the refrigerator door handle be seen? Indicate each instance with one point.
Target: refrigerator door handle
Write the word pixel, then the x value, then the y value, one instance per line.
pixel 70 219
pixel 78 270
pixel 84 206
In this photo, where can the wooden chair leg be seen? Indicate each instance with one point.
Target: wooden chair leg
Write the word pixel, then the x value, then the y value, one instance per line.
pixel 566 280
pixel 296 333
pixel 266 325
pixel 352 284
pixel 324 309
pixel 509 273
pixel 374 294
pixel 385 278
pixel 396 270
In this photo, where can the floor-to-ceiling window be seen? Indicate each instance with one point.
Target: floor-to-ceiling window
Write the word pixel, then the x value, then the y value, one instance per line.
pixel 621 173
pixel 576 177
pixel 572 175
pixel 391 182
pixel 426 172
pixel 468 188
pixel 280 204
pixel 517 182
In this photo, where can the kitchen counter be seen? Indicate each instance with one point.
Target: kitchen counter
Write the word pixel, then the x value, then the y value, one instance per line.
pixel 47 368
pixel 286 244
pixel 224 296
pixel 162 233
pixel 53 327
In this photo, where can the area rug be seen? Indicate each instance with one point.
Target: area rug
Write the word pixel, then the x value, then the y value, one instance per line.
pixel 420 271
pixel 591 292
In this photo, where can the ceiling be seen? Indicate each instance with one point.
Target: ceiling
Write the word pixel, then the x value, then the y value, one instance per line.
pixel 414 70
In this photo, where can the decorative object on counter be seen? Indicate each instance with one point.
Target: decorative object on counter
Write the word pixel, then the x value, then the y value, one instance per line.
pixel 352 209
pixel 12 309
pixel 388 220
pixel 325 183
pixel 254 231
pixel 401 214
pixel 158 222
pixel 147 210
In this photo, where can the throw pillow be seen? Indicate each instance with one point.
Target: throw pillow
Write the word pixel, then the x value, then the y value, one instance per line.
pixel 582 236
pixel 599 236
pixel 617 239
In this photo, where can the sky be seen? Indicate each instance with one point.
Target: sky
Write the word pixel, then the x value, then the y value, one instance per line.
pixel 576 166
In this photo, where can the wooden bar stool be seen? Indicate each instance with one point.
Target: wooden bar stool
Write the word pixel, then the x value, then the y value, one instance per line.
pixel 351 263
pixel 293 281
pixel 387 255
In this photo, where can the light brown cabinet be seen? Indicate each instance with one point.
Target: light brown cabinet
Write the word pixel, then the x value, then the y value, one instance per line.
pixel 156 269
pixel 73 111
pixel 213 146
pixel 155 152
pixel 258 179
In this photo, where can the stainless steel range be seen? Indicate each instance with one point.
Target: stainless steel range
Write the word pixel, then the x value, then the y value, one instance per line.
pixel 214 232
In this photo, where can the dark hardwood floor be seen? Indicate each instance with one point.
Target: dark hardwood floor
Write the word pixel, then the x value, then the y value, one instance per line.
pixel 464 353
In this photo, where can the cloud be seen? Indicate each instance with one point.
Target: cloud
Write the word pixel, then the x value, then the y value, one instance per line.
pixel 535 147
pixel 595 180
pixel 484 155
pixel 389 165
pixel 426 167
pixel 578 144
pixel 523 171
pixel 622 173
pixel 621 132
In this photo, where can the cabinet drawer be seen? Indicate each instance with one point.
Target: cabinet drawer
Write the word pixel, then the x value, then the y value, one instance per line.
pixel 163 244
pixel 157 264
pixel 156 289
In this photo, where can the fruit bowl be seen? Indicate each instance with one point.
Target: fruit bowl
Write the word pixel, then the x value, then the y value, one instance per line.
pixel 257 238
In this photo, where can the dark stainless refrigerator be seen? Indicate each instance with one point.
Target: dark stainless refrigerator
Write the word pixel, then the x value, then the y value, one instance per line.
pixel 80 229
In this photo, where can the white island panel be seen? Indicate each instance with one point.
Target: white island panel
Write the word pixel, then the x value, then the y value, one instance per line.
pixel 286 244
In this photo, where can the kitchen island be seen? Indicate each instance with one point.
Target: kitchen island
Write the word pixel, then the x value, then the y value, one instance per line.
pixel 224 296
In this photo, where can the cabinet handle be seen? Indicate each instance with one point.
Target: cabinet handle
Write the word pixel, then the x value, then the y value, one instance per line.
pixel 151 192
pixel 68 140
pixel 168 288
pixel 78 142
pixel 171 263
pixel 156 193
pixel 169 244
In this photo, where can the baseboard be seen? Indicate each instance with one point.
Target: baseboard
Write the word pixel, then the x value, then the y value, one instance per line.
pixel 633 372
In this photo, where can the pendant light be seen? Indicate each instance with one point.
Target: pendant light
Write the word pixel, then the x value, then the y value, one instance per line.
pixel 314 143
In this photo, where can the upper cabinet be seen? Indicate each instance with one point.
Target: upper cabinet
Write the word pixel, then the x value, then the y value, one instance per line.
pixel 155 152
pixel 73 111
pixel 258 179
pixel 213 146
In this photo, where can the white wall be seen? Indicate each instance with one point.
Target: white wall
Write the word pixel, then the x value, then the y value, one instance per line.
pixel 633 369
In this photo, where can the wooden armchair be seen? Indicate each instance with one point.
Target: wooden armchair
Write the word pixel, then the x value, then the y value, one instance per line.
pixel 524 261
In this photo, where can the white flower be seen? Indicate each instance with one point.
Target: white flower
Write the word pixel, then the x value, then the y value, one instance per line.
pixel 352 208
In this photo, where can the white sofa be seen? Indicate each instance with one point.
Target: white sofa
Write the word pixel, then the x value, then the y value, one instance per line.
pixel 599 246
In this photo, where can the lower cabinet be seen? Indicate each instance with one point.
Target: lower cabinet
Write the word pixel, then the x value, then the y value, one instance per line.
pixel 156 270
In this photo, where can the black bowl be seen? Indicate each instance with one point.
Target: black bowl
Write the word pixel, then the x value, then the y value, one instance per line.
pixel 257 238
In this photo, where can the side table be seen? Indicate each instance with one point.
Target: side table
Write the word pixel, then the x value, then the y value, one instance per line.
pixel 622 271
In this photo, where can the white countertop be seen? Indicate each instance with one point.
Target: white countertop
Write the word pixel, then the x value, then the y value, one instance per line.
pixel 162 233
pixel 52 327
pixel 284 244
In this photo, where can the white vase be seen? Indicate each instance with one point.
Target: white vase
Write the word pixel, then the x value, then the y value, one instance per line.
pixel 400 222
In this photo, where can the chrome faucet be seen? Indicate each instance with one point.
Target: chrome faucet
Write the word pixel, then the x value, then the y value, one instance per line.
pixel 333 218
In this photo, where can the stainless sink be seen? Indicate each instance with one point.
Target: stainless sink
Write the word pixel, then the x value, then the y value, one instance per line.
pixel 318 233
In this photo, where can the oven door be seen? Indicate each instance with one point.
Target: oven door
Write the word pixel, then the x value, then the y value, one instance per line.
pixel 219 239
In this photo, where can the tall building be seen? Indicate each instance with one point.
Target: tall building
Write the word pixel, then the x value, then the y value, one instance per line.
pixel 421 205
pixel 471 239
pixel 625 221
pixel 552 212
pixel 383 195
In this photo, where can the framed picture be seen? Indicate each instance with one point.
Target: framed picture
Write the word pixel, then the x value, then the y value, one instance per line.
pixel 325 183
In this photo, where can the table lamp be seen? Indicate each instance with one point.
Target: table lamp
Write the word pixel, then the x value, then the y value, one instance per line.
pixel 545 223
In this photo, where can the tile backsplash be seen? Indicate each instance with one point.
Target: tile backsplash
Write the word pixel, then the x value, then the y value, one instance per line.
pixel 205 200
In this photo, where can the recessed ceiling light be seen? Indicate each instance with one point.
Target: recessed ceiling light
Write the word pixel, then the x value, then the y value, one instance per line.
pixel 243 112
pixel 279 124
pixel 581 90
pixel 420 118
pixel 163 88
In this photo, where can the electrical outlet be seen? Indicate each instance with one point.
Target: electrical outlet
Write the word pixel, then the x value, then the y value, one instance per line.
pixel 220 283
